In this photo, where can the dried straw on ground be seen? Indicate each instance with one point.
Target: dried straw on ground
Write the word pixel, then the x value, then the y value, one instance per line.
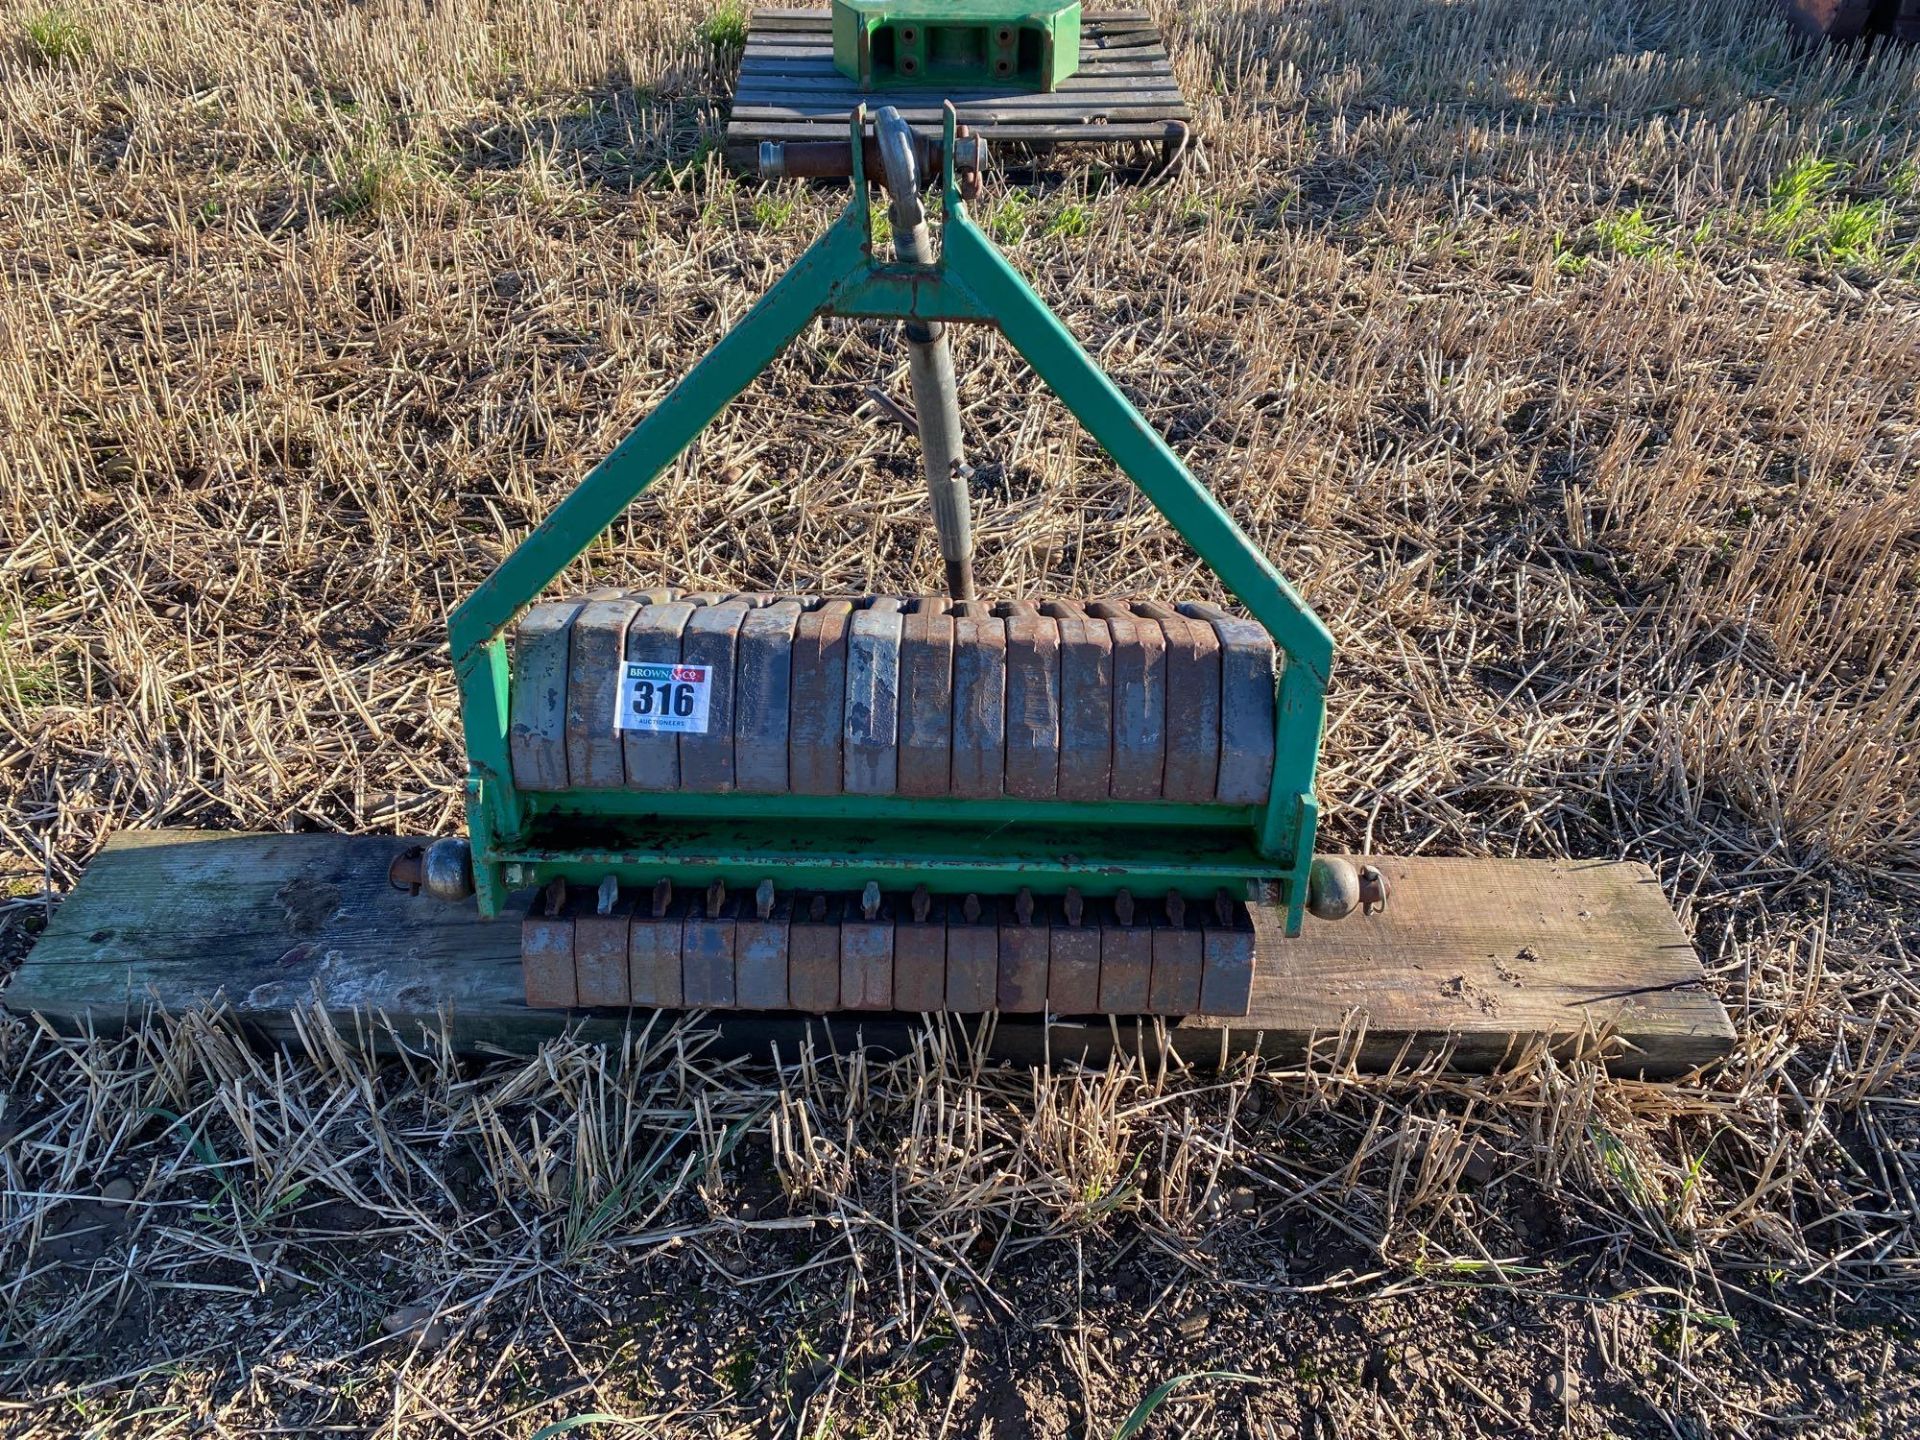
pixel 1564 354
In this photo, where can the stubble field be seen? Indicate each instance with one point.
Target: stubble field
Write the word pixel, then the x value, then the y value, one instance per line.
pixel 1565 356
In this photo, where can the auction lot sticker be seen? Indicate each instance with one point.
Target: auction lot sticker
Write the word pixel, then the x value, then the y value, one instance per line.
pixel 664 698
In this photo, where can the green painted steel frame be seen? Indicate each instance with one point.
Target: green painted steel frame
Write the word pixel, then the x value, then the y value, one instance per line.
pixel 973 283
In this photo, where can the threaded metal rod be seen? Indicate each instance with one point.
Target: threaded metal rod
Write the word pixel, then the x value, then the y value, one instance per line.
pixel 936 397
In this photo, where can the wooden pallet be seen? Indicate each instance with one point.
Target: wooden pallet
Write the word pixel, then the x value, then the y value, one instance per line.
pixel 789 90
pixel 1482 957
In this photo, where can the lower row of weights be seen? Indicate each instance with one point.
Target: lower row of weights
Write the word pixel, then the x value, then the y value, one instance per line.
pixel 820 951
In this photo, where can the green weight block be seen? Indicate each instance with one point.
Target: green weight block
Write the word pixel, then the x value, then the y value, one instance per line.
pixel 892 44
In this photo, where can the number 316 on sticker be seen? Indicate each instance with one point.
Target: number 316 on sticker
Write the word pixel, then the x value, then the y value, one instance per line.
pixel 662 697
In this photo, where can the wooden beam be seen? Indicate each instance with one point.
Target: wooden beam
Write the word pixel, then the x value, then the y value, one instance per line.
pixel 1479 956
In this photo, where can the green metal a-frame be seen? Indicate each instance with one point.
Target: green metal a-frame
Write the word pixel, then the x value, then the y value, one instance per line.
pixel 522 838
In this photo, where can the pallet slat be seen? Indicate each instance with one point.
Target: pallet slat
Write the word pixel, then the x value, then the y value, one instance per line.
pixel 976 112
pixel 819 65
pixel 1104 37
pixel 749 135
pixel 1483 956
pixel 824 79
pixel 836 85
pixel 759 115
pixel 820 16
pixel 1105 22
pixel 783 48
pixel 777 92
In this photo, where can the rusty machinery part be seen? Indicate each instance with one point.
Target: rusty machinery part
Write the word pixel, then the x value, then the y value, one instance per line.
pixel 1176 148
pixel 443 870
pixel 1373 889
pixel 1333 888
pixel 833 159
pixel 1840 21
pixel 707 948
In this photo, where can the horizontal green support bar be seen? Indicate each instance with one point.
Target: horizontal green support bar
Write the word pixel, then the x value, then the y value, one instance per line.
pixel 845 855
pixel 907 292
pixel 590 805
